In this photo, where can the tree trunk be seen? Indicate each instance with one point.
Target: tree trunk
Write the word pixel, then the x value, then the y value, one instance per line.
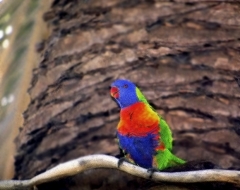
pixel 184 56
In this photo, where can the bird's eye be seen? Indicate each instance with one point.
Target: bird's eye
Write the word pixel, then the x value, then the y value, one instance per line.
pixel 125 86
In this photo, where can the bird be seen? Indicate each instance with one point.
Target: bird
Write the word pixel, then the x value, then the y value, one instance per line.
pixel 143 135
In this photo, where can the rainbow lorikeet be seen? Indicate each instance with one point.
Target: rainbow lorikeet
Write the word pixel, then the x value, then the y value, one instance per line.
pixel 144 136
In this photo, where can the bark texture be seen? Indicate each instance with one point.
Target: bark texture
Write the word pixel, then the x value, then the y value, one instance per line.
pixel 184 56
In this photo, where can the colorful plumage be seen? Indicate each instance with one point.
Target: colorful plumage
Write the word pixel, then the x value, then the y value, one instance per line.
pixel 144 136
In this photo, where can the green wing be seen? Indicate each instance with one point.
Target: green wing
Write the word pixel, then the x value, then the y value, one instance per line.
pixel 165 134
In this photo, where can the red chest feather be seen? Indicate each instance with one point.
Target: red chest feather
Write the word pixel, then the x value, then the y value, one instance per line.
pixel 138 120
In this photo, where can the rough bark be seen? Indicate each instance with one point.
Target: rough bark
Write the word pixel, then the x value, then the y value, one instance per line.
pixel 184 56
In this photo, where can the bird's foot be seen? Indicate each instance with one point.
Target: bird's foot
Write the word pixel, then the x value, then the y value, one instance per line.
pixel 151 171
pixel 121 160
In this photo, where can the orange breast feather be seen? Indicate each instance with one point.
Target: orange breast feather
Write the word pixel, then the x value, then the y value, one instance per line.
pixel 138 120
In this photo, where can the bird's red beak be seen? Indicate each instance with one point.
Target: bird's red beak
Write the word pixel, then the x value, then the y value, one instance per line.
pixel 114 92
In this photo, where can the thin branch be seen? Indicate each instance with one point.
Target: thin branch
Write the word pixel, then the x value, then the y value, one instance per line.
pixel 76 166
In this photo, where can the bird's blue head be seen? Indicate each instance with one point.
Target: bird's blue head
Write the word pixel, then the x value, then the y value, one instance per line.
pixel 124 92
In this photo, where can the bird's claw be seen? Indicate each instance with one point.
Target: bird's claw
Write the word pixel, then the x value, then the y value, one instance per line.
pixel 121 160
pixel 151 171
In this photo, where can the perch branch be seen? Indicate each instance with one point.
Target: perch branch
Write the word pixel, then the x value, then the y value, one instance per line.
pixel 76 166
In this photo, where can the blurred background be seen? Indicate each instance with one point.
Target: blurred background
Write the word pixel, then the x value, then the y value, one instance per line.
pixel 21 28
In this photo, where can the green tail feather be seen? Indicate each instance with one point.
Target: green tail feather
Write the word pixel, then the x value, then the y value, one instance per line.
pixel 165 159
